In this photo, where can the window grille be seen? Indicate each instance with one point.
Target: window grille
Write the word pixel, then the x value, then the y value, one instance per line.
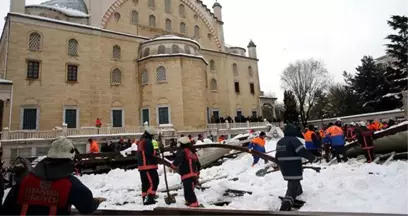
pixel 152 21
pixel 187 49
pixel 135 17
pixel 116 76
pixel 152 4
pixel 145 77
pixel 161 74
pixel 168 25
pixel 182 10
pixel 175 49
pixel 33 69
pixel 34 41
pixel 250 72
pixel 73 47
pixel 183 28
pixel 72 73
pixel 116 52
pixel 235 70
pixel 196 31
pixel 167 6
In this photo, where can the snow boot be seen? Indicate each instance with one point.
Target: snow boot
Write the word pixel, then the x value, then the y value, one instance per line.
pixel 149 200
pixel 285 206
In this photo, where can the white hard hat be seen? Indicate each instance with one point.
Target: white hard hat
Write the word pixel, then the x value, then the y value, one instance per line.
pixel 362 123
pixel 338 119
pixel 353 124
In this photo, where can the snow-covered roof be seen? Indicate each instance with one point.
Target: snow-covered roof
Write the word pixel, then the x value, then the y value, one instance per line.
pixel 172 37
pixel 67 11
pixel 78 5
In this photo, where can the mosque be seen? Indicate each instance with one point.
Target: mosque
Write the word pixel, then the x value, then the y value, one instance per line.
pixel 125 62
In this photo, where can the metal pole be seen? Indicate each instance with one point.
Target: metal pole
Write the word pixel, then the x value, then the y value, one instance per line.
pixel 11 106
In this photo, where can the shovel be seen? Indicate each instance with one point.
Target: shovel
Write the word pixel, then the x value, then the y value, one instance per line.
pixel 170 199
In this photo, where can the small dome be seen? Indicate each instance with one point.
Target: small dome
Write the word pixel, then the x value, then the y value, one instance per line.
pixel 78 5
pixel 251 44
pixel 217 4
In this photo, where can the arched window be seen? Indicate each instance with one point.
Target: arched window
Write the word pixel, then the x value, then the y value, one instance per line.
pixel 196 31
pixel 146 52
pixel 161 74
pixel 182 10
pixel 213 84
pixel 152 21
pixel 145 77
pixel 175 49
pixel 152 4
pixel 117 16
pixel 168 25
pixel 116 76
pixel 235 69
pixel 73 47
pixel 135 17
pixel 34 42
pixel 250 72
pixel 167 6
pixel 212 65
pixel 187 49
pixel 182 28
pixel 161 49
pixel 116 52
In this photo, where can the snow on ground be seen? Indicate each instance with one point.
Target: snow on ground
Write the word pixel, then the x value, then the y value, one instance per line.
pixel 341 187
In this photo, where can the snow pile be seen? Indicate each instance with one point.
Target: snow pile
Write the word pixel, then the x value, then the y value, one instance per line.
pixel 350 187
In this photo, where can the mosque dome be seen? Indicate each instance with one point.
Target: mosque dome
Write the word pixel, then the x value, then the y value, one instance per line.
pixel 78 5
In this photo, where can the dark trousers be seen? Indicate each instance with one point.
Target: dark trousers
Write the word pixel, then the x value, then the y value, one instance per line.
pixel 327 152
pixel 369 154
pixel 340 154
pixel 315 152
pixel 150 182
pixel 293 190
pixel 189 194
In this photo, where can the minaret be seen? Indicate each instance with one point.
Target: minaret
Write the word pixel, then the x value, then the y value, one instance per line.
pixel 217 8
pixel 252 50
pixel 17 6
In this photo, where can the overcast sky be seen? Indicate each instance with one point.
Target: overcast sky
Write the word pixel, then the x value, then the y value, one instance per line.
pixel 338 32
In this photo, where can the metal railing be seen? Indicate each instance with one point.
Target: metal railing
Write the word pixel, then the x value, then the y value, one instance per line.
pixel 90 131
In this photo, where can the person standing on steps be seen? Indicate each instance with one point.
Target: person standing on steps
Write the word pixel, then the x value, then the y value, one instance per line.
pixel 289 153
pixel 188 167
pixel 51 189
pixel 365 139
pixel 258 144
pixel 147 166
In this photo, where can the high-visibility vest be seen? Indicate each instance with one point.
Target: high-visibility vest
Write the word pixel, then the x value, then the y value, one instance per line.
pixel 155 144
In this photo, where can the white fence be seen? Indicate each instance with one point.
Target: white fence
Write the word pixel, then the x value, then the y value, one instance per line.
pixel 7 134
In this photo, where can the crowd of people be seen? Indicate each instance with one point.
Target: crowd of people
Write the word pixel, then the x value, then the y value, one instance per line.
pixel 51 188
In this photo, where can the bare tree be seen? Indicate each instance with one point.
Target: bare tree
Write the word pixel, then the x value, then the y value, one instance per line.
pixel 306 78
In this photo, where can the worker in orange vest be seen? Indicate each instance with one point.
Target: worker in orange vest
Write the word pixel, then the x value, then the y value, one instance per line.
pixel 94 147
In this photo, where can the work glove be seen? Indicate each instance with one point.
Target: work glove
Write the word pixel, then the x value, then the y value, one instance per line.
pixel 99 199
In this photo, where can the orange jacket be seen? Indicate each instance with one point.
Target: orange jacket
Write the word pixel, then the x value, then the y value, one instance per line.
pixel 94 148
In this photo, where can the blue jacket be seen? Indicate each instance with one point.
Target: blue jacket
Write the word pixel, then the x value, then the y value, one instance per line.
pixel 336 135
pixel 257 144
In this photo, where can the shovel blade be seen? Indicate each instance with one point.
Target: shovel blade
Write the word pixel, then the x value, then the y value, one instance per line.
pixel 170 200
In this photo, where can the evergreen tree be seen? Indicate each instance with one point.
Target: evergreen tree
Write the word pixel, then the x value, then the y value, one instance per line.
pixel 291 114
pixel 369 84
pixel 397 48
